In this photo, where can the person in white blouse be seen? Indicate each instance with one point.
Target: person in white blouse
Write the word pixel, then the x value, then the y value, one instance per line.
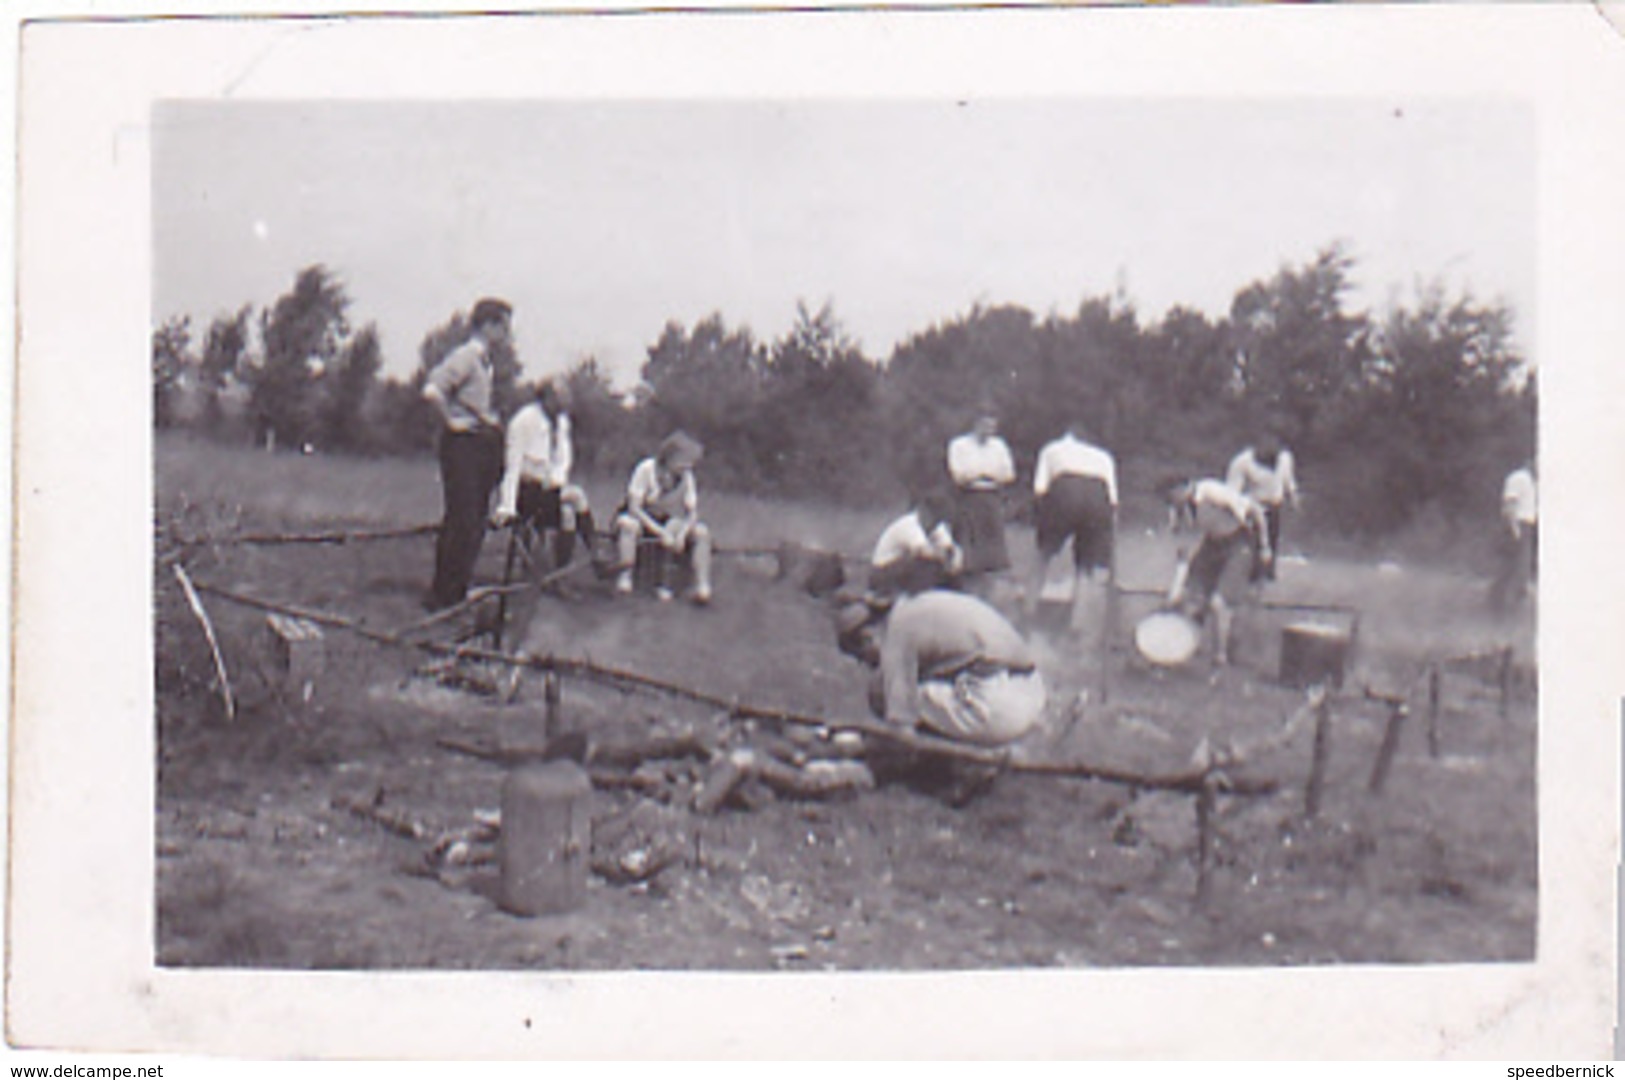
pixel 1264 472
pixel 1075 488
pixel 536 490
pixel 662 503
pixel 980 465
pixel 917 551
pixel 1518 547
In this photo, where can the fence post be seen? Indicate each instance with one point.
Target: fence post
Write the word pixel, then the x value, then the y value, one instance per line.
pixel 1204 837
pixel 551 693
pixel 1398 711
pixel 1504 679
pixel 1433 710
pixel 1323 738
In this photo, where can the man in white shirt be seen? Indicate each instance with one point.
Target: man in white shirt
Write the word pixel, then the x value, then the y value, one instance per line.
pixel 536 490
pixel 662 504
pixel 1519 543
pixel 459 389
pixel 950 663
pixel 980 465
pixel 917 551
pixel 1264 472
pixel 1075 487
pixel 1227 521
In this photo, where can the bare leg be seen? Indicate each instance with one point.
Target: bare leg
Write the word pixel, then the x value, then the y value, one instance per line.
pixel 700 539
pixel 626 545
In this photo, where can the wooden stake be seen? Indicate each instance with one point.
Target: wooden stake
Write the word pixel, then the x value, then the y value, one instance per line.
pixel 1433 710
pixel 1204 838
pixel 551 694
pixel 196 602
pixel 1317 771
pixel 1398 711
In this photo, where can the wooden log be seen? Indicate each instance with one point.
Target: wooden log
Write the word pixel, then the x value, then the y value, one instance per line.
pixel 228 699
pixel 1322 752
pixel 298 648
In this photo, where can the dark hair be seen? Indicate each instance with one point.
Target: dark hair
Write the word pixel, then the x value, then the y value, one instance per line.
pixel 932 507
pixel 1267 449
pixel 490 310
pixel 1171 483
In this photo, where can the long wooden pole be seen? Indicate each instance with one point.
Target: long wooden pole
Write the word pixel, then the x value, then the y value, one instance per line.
pixel 1189 781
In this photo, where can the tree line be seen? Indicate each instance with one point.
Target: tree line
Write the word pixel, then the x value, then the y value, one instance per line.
pixel 1404 420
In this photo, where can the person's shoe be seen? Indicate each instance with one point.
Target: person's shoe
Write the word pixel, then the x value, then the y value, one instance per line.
pixel 702 596
pixel 623 583
pixel 663 594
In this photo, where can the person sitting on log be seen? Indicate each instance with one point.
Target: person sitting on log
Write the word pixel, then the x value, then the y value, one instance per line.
pixel 662 504
pixel 917 551
pixel 536 491
pixel 1228 522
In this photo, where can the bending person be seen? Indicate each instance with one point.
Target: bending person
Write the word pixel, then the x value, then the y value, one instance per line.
pixel 948 662
pixel 1227 522
pixel 917 551
pixel 1075 485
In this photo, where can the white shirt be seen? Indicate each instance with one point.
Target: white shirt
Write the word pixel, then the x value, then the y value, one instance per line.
pixel 1071 456
pixel 1518 497
pixel 906 537
pixel 644 490
pixel 974 463
pixel 1272 487
pixel 538 449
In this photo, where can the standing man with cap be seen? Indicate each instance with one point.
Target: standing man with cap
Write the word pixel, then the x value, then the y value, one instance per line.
pixel 980 465
pixel 662 503
pixel 1264 473
pixel 459 388
pixel 536 489
pixel 1075 484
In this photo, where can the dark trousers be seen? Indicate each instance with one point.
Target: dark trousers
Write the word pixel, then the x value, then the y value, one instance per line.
pixel 470 466
pixel 1264 569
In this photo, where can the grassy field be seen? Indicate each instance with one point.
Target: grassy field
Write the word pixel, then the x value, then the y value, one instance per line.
pixel 258 866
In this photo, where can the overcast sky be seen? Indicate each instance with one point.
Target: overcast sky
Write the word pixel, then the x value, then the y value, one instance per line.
pixel 601 222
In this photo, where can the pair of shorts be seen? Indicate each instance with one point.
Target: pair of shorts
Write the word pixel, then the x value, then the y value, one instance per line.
pixel 542 507
pixel 1208 563
pixel 987 709
pixel 1079 508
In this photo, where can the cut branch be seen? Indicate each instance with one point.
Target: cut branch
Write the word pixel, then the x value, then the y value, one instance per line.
pixel 196 603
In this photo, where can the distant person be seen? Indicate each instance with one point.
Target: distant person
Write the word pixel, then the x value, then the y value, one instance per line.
pixel 980 465
pixel 1226 522
pixel 536 491
pixel 917 551
pixel 948 662
pixel 1264 473
pixel 1519 553
pixel 1075 487
pixel 459 388
pixel 662 504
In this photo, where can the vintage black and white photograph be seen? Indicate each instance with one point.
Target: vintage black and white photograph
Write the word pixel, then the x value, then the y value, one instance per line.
pixel 818 533
pixel 844 536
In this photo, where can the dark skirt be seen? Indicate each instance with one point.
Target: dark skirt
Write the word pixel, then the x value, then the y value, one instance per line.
pixel 979 529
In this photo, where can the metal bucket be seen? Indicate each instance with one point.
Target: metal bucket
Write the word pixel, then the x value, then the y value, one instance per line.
pixel 546 838
pixel 1313 653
